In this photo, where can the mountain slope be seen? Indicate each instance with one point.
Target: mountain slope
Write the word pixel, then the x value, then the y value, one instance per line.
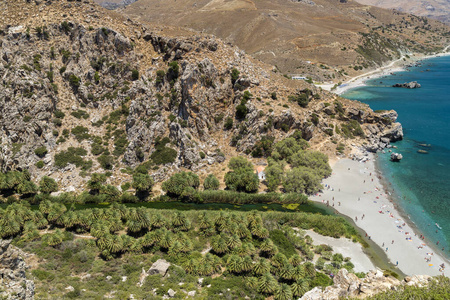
pixel 86 90
pixel 436 9
pixel 287 34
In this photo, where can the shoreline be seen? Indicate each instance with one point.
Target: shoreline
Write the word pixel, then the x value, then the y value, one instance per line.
pixel 398 65
pixel 383 219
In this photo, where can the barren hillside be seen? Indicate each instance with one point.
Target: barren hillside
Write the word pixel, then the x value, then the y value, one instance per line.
pixel 436 9
pixel 324 39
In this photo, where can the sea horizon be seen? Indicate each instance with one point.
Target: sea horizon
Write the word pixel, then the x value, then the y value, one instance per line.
pixel 418 183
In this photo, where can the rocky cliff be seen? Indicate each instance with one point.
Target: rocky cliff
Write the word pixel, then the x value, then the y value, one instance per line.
pixel 347 285
pixel 13 282
pixel 86 90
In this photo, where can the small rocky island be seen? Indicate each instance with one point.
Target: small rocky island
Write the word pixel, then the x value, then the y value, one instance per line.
pixel 408 85
pixel 396 157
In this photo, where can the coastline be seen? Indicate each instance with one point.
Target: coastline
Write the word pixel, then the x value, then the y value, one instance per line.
pixel 358 191
pixel 398 65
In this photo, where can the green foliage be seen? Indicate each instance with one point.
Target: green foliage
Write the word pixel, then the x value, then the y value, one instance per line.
pixel 80 114
pixel 352 129
pixel 143 184
pixel 173 71
pixel 241 109
pixel 74 81
pixel 228 123
pixel 234 75
pixel 96 182
pixel 48 185
pixel 180 183
pixel 263 147
pixel 36 64
pixel 211 183
pixel 274 174
pixel 81 133
pixel 163 155
pixel 134 75
pixel 106 161
pixel 160 74
pixel 65 27
pixel 242 178
pixel 73 156
pixel 302 98
pixel 40 164
pixel 41 151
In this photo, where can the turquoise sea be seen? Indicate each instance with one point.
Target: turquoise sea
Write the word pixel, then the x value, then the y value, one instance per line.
pixel 420 182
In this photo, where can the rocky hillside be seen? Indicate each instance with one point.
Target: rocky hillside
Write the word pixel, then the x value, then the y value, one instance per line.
pixel 327 40
pixel 435 9
pixel 85 90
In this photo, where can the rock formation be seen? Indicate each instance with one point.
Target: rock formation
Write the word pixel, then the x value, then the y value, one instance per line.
pixel 347 285
pixel 408 85
pixel 13 281
pixel 396 157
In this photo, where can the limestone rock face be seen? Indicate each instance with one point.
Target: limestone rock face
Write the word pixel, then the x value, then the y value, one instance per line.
pixel 347 285
pixel 13 282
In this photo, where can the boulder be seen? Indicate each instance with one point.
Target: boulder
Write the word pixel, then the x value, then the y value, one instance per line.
pixel 396 157
pixel 159 267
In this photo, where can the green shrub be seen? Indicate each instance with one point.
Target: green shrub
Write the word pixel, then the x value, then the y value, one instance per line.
pixel 242 176
pixel 26 118
pixel 106 161
pixel 48 185
pixel 134 75
pixel 228 123
pixel 59 114
pixel 41 151
pixel 172 118
pixel 202 155
pixel 73 156
pixel 179 184
pixel 234 75
pixel 74 81
pixel 163 155
pixel 160 77
pixel 80 114
pixel 81 133
pixel 40 164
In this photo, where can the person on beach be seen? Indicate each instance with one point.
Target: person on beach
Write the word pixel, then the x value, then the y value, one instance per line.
pixel 356 218
pixel 392 241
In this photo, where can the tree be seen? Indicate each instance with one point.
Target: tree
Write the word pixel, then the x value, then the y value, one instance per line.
pixel 283 292
pixel 143 184
pixel 211 183
pixel 48 185
pixel 242 177
pixel 176 185
pixel 96 183
pixel 274 173
pixel 302 180
pixel 267 284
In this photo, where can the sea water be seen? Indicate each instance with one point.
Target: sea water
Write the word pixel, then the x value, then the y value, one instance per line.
pixel 420 181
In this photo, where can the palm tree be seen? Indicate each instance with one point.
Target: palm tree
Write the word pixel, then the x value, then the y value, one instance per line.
pixel 191 266
pixel 149 239
pixel 251 283
pixel 45 206
pixel 137 246
pixel 267 284
pixel 242 231
pixel 56 211
pixel 54 239
pixel 9 226
pixel 285 272
pixel 166 240
pixel 261 267
pixel 247 264
pixel 219 245
pixel 175 249
pixel 295 260
pixel 204 221
pixel 158 221
pixel 298 272
pixel 234 242
pixel 114 243
pixel 134 226
pixel 115 225
pixel 234 264
pixel 279 260
pixel 179 219
pixel 300 287
pixel 310 270
pixel 283 292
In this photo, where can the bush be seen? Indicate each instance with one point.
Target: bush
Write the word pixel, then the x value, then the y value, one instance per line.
pixel 73 156
pixel 228 123
pixel 74 81
pixel 106 161
pixel 80 114
pixel 160 77
pixel 234 75
pixel 59 114
pixel 40 164
pixel 134 75
pixel 163 155
pixel 41 151
pixel 81 133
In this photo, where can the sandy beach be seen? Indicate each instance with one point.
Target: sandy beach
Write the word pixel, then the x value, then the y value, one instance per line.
pixel 397 65
pixel 354 190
